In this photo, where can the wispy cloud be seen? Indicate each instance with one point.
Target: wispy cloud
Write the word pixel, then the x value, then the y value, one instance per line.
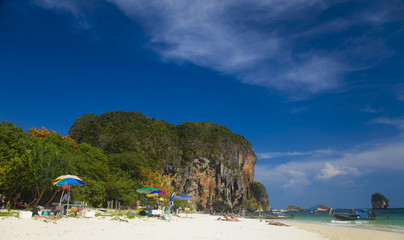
pixel 75 8
pixel 387 157
pixel 296 110
pixel 275 44
pixel 311 154
pixel 369 109
pixel 397 122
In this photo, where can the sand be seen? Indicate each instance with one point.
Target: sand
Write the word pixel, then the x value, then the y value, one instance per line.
pixel 348 233
pixel 194 226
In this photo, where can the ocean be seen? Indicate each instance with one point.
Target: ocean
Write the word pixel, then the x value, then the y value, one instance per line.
pixel 391 219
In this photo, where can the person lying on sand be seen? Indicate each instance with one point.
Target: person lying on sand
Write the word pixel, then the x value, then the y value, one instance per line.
pixel 277 223
pixel 233 218
pixel 227 218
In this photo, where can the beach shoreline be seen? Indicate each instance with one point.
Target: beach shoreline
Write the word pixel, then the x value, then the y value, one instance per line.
pixel 191 226
pixel 354 232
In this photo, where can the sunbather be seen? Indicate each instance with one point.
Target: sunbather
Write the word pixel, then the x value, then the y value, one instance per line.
pixel 277 223
pixel 233 218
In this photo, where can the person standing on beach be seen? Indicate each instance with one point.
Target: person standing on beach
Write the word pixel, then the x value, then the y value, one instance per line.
pixel 65 200
pixel 3 200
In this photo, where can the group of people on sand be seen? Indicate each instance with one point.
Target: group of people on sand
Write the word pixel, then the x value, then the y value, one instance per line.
pixel 232 218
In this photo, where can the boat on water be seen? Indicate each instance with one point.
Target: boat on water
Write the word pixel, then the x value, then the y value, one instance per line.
pixel 278 216
pixel 355 215
pixel 277 211
pixel 322 208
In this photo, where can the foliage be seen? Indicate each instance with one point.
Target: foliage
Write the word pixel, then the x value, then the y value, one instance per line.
pixel 41 133
pixel 156 179
pixel 8 206
pixel 259 192
pixel 251 205
pixel 157 143
pixel 180 204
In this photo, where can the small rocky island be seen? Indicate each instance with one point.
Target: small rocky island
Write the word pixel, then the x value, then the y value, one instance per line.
pixel 293 208
pixel 379 201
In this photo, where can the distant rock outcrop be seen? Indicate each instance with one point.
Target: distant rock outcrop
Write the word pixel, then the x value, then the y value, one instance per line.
pixel 259 192
pixel 379 201
pixel 293 208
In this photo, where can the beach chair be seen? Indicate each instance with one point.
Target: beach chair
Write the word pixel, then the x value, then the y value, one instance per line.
pixel 76 210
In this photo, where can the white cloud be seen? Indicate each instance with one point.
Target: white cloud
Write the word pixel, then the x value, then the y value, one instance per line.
pixel 330 171
pixel 313 168
pixel 312 154
pixel 257 41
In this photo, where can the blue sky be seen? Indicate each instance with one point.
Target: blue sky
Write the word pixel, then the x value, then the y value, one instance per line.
pixel 316 86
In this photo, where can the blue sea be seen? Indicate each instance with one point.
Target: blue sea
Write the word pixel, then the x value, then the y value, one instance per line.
pixel 391 219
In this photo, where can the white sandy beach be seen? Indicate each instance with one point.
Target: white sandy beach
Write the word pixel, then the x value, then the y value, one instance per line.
pixel 195 226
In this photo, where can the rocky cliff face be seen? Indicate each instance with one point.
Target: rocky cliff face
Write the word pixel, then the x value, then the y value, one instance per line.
pixel 216 185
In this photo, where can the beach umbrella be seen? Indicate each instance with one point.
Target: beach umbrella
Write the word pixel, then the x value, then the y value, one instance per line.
pixel 183 197
pixel 146 190
pixel 68 181
pixel 65 181
pixel 156 193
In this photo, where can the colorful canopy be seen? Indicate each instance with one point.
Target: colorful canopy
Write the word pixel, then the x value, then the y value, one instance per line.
pixel 68 179
pixel 146 190
pixel 157 193
pixel 183 197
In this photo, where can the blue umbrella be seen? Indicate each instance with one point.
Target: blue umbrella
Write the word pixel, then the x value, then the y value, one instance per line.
pixel 183 197
pixel 70 181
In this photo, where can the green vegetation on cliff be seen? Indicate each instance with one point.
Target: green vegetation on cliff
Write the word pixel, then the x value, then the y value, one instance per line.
pixel 156 142
pixel 259 200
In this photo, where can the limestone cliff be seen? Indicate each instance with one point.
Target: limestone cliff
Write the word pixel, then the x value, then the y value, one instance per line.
pixel 216 185
pixel 205 160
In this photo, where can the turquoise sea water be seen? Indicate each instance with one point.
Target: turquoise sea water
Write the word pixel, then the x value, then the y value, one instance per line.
pixel 386 219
